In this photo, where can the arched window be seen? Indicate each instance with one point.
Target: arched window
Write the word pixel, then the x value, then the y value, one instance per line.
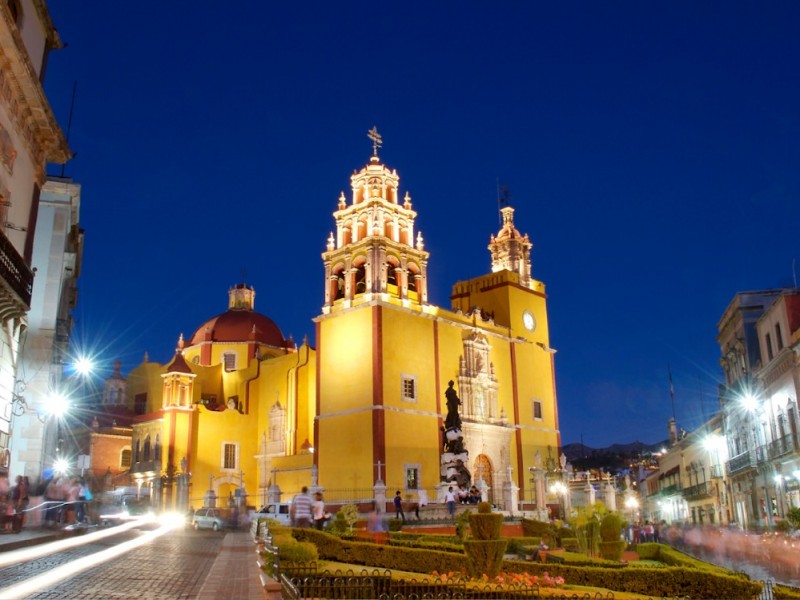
pixel 137 454
pixel 157 450
pixel 339 284
pixel 146 457
pixel 125 459
pixel 361 279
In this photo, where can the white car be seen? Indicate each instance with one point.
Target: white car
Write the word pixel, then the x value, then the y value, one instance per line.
pixel 279 512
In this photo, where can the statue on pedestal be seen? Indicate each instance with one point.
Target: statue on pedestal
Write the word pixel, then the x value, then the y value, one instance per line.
pixel 453 420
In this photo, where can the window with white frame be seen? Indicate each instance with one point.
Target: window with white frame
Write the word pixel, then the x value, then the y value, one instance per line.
pixel 409 388
pixel 230 455
pixel 229 361
pixel 412 476
pixel 537 410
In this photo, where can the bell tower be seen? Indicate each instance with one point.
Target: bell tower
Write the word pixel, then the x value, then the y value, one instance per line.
pixel 374 250
pixel 511 251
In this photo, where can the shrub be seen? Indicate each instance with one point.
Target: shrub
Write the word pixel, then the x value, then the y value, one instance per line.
pixel 485 557
pixel 611 527
pixel 533 528
pixel 395 524
pixel 484 507
pixel 298 552
pixel 462 522
pixel 793 516
pixel 612 550
pixel 486 526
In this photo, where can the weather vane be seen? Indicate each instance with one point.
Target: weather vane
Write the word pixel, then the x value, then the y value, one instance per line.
pixel 377 141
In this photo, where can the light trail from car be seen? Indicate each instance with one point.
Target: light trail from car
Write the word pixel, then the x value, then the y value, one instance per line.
pixel 26 554
pixel 74 567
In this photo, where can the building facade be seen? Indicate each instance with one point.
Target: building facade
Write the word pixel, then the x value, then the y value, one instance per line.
pixel 29 139
pixel 241 409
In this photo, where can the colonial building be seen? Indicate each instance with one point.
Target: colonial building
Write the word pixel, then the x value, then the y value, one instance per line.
pixel 239 406
pixel 29 139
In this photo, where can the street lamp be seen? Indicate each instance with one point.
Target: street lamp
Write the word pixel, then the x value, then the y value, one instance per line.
pixel 560 490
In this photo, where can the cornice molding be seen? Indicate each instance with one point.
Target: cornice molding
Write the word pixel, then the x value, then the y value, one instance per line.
pixel 25 101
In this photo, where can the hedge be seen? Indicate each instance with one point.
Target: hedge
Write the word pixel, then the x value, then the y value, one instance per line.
pixel 685 580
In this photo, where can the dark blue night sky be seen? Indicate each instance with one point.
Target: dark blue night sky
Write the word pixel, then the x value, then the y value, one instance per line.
pixel 651 151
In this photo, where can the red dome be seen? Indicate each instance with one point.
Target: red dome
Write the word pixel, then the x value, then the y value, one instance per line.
pixel 237 326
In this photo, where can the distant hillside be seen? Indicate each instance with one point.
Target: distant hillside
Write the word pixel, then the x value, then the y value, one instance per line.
pixel 613 457
pixel 576 450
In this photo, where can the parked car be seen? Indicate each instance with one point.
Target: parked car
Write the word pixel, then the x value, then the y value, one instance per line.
pixel 278 511
pixel 209 518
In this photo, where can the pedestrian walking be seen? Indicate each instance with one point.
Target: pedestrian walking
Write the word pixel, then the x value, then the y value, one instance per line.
pixel 450 499
pixel 300 511
pixel 398 506
pixel 319 512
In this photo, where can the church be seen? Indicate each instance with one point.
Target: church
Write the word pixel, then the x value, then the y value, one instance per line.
pixel 242 411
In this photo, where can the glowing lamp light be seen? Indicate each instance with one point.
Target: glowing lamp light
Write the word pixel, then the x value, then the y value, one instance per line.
pixel 84 365
pixel 631 503
pixel 749 402
pixel 558 488
pixel 713 442
pixel 61 466
pixel 57 405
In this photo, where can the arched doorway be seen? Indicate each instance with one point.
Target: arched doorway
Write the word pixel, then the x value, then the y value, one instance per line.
pixel 482 468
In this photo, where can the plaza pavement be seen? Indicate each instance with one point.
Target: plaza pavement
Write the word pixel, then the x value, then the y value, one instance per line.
pixel 235 574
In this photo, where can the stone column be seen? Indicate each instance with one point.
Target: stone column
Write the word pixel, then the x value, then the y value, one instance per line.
pixel 210 497
pixel 610 496
pixel 588 492
pixel 379 494
pixel 510 493
pixel 182 484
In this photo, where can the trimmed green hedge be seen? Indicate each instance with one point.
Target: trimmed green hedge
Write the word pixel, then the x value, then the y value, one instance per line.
pixel 686 580
pixel 417 560
pixel 666 581
pixel 443 546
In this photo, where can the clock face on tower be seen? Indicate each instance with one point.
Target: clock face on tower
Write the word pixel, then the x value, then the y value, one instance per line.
pixel 528 321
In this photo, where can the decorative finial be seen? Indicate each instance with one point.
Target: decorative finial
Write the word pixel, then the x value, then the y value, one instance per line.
pixel 342 201
pixel 407 201
pixel 420 242
pixel 180 342
pixel 331 242
pixel 377 141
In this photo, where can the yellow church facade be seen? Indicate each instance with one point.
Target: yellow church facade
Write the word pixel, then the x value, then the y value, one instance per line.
pixel 240 406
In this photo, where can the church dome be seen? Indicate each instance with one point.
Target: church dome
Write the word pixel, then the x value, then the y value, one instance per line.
pixel 240 326
pixel 240 323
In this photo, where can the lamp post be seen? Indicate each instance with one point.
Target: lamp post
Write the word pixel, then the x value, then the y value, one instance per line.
pixel 632 504
pixel 560 490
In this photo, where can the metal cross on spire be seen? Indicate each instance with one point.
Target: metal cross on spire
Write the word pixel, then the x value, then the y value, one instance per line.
pixel 377 141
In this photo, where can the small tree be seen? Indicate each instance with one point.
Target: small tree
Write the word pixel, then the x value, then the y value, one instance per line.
pixel 346 518
pixel 611 546
pixel 793 516
pixel 486 548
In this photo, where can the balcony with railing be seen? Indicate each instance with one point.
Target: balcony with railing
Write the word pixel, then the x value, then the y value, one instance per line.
pixel 780 447
pixel 17 276
pixel 670 490
pixel 697 491
pixel 742 462
pixel 716 471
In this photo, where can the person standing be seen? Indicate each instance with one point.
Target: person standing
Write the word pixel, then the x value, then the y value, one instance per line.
pixel 450 499
pixel 300 511
pixel 319 512
pixel 398 506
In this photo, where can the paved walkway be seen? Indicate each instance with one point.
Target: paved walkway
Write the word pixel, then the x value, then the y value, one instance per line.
pixel 234 574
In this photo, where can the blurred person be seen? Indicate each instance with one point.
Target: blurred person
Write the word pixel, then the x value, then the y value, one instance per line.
pixel 300 510
pixel 319 512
